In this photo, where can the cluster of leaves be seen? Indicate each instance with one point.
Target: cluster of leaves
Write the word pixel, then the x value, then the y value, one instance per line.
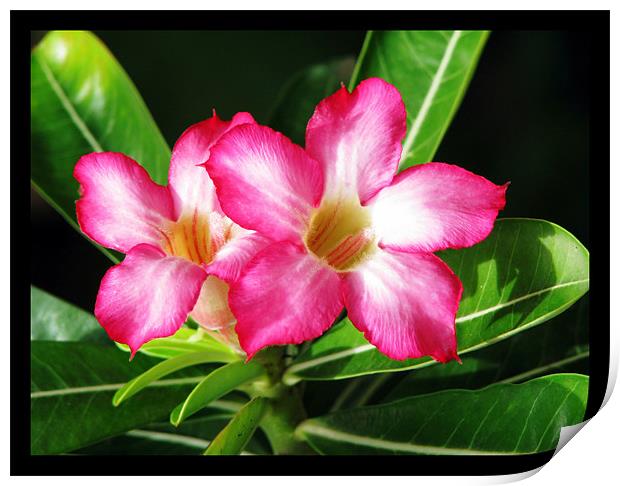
pixel 188 393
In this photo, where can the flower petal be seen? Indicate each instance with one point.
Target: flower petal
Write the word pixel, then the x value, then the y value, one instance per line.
pixel 120 206
pixel 189 183
pixel 211 310
pixel 284 296
pixel 435 206
pixel 405 304
pixel 264 181
pixel 236 253
pixel 357 137
pixel 147 296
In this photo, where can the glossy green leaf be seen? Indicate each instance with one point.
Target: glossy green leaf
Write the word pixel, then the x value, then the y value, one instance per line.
pixel 432 70
pixel 82 101
pixel 168 367
pixel 53 319
pixel 560 346
pixel 234 437
pixel 184 341
pixel 303 92
pixel 526 272
pixel 501 419
pixel 215 385
pixel 72 385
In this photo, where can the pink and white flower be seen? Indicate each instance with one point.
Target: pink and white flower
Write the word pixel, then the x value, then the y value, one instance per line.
pixel 347 230
pixel 182 251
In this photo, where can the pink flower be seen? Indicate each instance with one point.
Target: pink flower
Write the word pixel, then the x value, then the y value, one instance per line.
pixel 182 252
pixel 346 230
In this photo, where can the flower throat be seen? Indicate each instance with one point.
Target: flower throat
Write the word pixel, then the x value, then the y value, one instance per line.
pixel 196 237
pixel 339 233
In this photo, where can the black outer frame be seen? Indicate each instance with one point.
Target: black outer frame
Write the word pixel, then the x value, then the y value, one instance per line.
pixel 594 24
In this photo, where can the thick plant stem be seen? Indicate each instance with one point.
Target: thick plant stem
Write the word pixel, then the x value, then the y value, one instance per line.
pixel 286 409
pixel 279 423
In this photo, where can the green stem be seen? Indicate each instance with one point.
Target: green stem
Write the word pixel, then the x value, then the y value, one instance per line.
pixel 286 409
pixel 285 412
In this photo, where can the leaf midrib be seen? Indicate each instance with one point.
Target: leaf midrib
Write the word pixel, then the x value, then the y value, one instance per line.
pixel 508 303
pixel 338 435
pixel 349 438
pixel 430 94
pixel 67 104
pixel 549 366
pixel 83 129
pixel 430 97
pixel 109 387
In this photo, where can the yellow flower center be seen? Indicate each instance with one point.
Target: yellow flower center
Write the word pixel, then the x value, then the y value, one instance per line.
pixel 197 238
pixel 340 233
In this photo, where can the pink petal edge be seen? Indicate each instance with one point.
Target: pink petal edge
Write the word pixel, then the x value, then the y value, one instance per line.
pixel 236 253
pixel 357 138
pixel 405 304
pixel 148 295
pixel 189 183
pixel 264 181
pixel 435 206
pixel 120 205
pixel 284 296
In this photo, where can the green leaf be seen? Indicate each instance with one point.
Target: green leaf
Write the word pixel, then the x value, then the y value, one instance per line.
pixel 358 391
pixel 303 92
pixel 215 385
pixel 560 346
pixel 526 272
pixel 191 438
pixel 432 70
pixel 71 394
pixel 53 319
pixel 82 101
pixel 165 368
pixel 500 419
pixel 234 437
pixel 184 341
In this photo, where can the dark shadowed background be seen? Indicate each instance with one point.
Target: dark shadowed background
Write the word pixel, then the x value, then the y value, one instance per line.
pixel 524 119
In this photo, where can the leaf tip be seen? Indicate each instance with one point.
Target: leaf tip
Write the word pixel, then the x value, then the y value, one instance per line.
pixel 117 399
pixel 176 417
pixel 121 395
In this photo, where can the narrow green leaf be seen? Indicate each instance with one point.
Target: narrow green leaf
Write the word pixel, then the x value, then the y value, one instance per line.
pixel 82 101
pixel 432 70
pixel 234 437
pixel 215 385
pixel 526 272
pixel 184 341
pixel 72 384
pixel 502 419
pixel 303 92
pixel 53 319
pixel 165 368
